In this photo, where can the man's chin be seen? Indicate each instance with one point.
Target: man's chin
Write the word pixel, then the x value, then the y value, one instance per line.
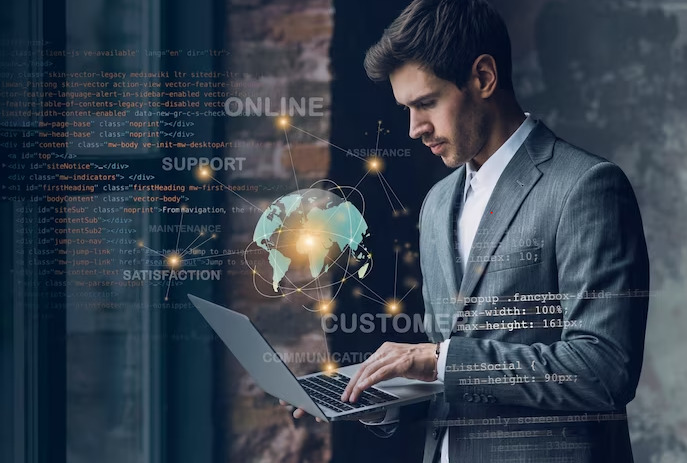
pixel 451 161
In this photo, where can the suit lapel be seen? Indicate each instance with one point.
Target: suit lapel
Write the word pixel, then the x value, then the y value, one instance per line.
pixel 515 183
pixel 446 221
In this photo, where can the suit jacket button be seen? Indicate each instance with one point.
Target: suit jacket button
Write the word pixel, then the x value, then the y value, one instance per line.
pixel 435 433
pixel 467 397
pixel 476 398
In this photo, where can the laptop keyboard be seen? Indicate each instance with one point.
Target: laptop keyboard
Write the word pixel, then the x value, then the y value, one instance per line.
pixel 327 389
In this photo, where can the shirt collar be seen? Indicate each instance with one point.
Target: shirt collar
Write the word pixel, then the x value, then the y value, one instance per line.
pixel 488 175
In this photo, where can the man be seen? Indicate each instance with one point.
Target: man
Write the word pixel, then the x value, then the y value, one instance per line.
pixel 534 263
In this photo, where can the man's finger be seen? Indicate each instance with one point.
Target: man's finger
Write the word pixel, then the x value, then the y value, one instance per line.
pixel 300 413
pixel 360 375
pixel 356 377
pixel 351 383
pixel 386 372
pixel 363 381
pixel 288 406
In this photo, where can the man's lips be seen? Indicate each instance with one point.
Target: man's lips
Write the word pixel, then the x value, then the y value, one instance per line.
pixel 435 147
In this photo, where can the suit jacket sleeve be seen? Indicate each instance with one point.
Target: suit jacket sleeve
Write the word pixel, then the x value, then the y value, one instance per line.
pixel 430 328
pixel 599 245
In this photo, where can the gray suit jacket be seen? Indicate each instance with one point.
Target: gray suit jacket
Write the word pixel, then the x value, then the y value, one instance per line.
pixel 538 380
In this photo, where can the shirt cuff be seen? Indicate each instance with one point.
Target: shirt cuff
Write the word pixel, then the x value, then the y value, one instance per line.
pixel 441 363
pixel 392 416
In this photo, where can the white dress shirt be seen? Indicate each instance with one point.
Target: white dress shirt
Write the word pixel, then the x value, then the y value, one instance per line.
pixel 479 185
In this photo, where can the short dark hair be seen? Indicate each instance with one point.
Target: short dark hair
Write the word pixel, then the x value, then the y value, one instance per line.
pixel 445 37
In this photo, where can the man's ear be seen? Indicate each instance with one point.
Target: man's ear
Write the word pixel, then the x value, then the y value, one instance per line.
pixel 485 76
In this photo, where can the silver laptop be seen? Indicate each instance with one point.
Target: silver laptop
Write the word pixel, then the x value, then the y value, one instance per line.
pixel 318 394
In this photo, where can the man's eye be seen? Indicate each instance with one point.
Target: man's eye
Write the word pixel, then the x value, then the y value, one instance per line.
pixel 425 105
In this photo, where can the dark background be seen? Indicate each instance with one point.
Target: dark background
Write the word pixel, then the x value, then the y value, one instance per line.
pixel 144 385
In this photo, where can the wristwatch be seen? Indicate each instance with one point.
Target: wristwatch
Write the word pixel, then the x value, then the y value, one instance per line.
pixel 437 352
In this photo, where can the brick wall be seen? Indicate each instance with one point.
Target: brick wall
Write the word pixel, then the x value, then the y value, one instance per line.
pixel 278 49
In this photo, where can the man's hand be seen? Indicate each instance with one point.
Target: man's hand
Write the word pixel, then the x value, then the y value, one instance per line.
pixel 414 361
pixel 297 412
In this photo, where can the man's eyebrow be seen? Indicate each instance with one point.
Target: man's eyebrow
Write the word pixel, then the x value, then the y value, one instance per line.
pixel 419 99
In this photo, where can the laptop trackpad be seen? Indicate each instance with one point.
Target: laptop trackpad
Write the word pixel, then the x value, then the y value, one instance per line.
pixel 404 387
pixel 401 387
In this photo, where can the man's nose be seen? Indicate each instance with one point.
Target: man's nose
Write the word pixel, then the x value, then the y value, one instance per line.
pixel 418 125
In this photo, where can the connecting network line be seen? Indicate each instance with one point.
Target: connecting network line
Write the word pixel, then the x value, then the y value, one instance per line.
pixel 313 289
pixel 395 272
pixel 307 287
pixel 379 299
pixel 373 165
pixel 175 259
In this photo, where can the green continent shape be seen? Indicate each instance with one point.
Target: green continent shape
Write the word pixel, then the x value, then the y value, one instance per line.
pixel 316 252
pixel 280 264
pixel 341 224
pixel 349 228
pixel 270 222
pixel 273 218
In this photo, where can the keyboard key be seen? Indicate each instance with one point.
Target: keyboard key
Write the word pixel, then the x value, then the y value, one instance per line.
pixel 327 389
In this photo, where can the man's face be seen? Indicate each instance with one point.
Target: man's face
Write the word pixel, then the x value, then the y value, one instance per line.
pixel 451 122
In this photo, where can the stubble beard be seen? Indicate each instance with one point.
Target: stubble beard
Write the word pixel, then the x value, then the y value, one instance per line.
pixel 474 145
